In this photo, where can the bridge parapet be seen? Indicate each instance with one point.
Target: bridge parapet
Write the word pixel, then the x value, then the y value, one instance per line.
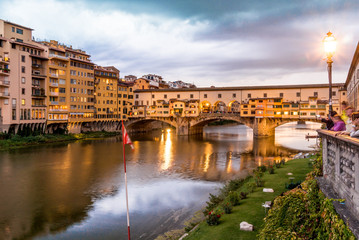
pixel 341 167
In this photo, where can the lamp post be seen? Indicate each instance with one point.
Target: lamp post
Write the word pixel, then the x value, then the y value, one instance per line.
pixel 330 44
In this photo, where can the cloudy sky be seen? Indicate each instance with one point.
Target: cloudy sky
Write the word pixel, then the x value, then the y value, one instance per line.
pixel 205 42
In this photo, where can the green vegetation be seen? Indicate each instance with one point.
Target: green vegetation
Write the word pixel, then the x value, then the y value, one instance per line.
pixel 251 197
pixel 17 141
pixel 305 213
pixel 301 213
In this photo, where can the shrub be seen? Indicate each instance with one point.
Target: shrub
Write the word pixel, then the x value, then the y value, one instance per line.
pixel 243 195
pixel 271 169
pixel 259 181
pixel 213 218
pixel 227 207
pixel 262 168
pixel 292 185
pixel 233 198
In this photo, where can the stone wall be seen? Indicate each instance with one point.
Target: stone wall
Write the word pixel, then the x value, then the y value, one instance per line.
pixel 341 167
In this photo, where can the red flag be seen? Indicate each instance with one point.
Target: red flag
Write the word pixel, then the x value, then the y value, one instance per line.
pixel 125 138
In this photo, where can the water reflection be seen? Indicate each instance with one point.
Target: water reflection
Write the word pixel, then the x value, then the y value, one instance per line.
pixel 76 191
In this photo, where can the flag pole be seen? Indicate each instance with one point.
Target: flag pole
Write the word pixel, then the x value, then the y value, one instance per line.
pixel 124 162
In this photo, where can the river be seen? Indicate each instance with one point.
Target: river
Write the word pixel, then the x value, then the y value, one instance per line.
pixel 76 190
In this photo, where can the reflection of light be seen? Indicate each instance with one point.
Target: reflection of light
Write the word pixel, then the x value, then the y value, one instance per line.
pixel 207 153
pixel 167 155
pixel 168 130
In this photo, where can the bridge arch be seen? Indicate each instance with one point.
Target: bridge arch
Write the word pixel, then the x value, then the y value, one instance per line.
pixel 219 106
pixel 143 124
pixel 234 106
pixel 206 107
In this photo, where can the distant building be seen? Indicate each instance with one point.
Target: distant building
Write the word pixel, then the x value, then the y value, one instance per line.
pixel 181 84
pixel 130 78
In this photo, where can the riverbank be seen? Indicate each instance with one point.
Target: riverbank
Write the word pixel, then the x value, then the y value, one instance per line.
pixel 17 141
pixel 250 209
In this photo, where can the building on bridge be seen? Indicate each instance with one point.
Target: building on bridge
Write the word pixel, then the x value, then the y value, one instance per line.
pixel 299 101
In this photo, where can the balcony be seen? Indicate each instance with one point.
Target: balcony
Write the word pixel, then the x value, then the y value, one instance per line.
pixel 54 93
pixel 38 93
pixel 54 75
pixel 39 106
pixel 5 59
pixel 4 83
pixel 38 74
pixel 54 84
pixel 4 94
pixel 54 102
pixel 58 110
pixel 5 71
pixel 36 65
pixel 51 55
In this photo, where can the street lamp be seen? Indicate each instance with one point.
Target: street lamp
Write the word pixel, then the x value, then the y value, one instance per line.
pixel 330 44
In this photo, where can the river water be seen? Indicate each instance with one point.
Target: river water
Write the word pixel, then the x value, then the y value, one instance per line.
pixel 76 190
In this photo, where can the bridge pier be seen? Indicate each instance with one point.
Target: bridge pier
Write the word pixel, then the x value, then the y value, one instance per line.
pixel 263 127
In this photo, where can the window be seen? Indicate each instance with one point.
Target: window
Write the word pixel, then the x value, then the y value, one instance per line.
pixel 136 95
pixel 264 95
pixel 14 114
pixel 23 91
pixel 281 94
pixel 249 95
pixel 205 96
pixel 234 95
pixel 191 96
pixel 178 96
pixel 62 99
pixel 334 93
pixel 13 45
pixel 6 101
pixel 219 95
pixel 253 112
pixel 23 80
pixel 19 31
pixel 298 94
pixel 62 90
pixel 315 94
pixel 23 69
pixel 23 102
pixel 153 96
pixel 22 58
pixel 62 81
pixel 13 29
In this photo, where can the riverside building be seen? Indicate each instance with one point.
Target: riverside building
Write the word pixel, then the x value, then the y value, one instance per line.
pixel 106 98
pixel 23 83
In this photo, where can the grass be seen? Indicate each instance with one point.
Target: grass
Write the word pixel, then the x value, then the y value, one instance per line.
pixel 250 209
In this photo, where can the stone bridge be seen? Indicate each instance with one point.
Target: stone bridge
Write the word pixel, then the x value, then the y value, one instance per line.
pixel 262 127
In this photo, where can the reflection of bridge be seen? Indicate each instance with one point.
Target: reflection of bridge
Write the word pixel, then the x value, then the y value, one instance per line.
pixel 264 126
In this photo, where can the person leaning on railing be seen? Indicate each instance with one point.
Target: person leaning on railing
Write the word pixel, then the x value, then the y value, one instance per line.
pixel 328 121
pixel 339 124
pixel 354 130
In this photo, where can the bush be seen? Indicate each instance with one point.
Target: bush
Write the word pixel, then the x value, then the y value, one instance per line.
pixel 227 207
pixel 233 198
pixel 262 168
pixel 213 218
pixel 243 195
pixel 259 181
pixel 271 169
pixel 292 185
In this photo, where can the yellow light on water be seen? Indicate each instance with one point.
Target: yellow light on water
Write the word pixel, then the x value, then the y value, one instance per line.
pixel 168 130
